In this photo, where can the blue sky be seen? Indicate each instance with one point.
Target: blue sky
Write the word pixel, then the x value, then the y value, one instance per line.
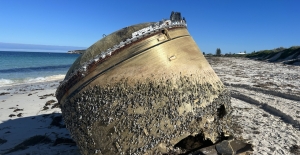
pixel 232 25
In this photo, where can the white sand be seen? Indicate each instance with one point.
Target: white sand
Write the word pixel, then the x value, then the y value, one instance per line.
pixel 33 120
pixel 266 97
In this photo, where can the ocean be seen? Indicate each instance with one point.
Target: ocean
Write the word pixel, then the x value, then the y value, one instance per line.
pixel 30 67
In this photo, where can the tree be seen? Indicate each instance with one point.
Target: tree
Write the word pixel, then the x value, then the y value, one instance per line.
pixel 218 52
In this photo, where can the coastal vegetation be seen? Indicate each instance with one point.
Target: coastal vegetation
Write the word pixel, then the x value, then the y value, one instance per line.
pixel 218 51
pixel 277 54
pixel 284 55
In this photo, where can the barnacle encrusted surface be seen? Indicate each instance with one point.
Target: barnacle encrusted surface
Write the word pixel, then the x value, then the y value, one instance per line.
pixel 147 117
pixel 155 94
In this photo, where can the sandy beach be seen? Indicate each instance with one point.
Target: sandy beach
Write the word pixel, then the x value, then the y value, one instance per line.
pixel 31 122
pixel 265 96
pixel 266 99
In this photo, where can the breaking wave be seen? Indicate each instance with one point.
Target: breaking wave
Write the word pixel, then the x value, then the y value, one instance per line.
pixel 11 82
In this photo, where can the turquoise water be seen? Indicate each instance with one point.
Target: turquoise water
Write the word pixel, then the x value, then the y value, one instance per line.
pixel 22 67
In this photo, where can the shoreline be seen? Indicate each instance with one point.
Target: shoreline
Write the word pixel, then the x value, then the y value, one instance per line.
pixel 27 92
pixel 29 81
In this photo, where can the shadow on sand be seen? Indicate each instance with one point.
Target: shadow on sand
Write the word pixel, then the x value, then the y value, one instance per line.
pixel 41 134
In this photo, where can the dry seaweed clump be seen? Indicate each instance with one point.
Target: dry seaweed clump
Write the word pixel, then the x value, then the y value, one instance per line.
pixel 49 103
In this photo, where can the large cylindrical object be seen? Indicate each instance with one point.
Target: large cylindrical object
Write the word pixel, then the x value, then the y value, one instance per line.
pixel 149 94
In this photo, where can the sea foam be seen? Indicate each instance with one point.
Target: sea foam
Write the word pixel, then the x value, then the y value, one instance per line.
pixel 9 82
pixel 4 82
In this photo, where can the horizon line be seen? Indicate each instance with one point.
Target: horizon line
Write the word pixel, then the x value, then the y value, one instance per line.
pixel 42 44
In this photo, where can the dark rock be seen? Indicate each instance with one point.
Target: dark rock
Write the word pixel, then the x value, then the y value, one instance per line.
pixel 224 148
pixel 211 150
pixel 240 147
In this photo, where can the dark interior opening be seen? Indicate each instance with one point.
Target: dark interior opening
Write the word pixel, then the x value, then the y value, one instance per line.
pixel 192 143
pixel 222 111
